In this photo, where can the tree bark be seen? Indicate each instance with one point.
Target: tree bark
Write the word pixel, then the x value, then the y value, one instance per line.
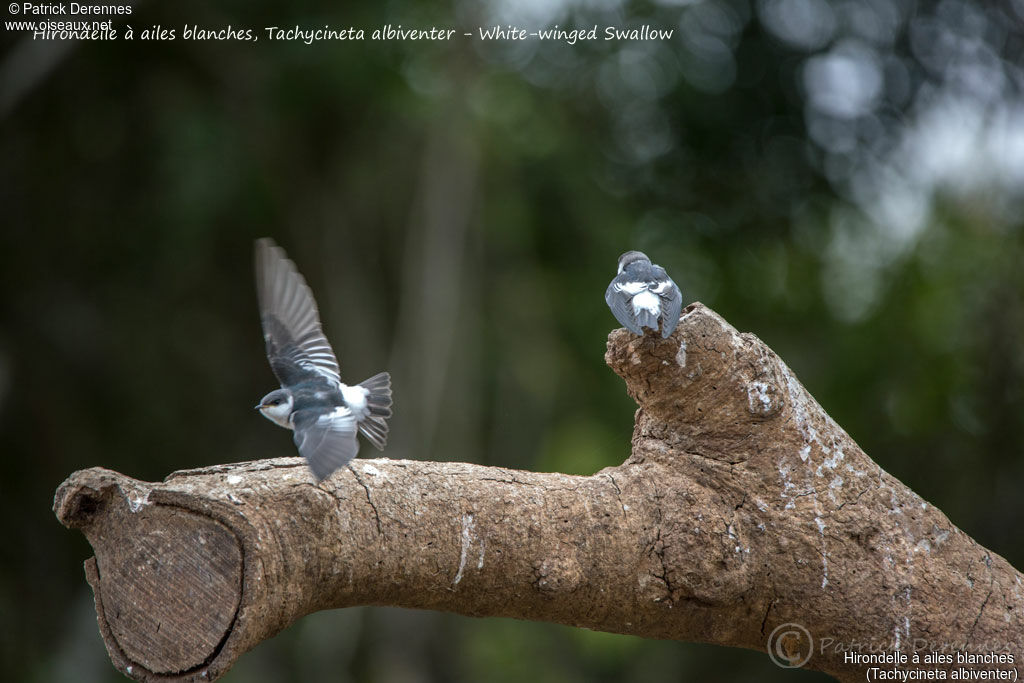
pixel 742 508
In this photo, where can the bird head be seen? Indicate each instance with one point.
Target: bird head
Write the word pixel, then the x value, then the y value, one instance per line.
pixel 631 257
pixel 277 406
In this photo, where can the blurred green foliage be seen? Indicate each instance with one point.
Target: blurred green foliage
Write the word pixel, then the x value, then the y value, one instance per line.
pixel 840 178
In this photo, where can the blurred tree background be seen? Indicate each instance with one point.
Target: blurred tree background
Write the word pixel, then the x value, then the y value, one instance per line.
pixel 844 178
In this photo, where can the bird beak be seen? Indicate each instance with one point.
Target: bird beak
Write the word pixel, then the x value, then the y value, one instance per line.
pixel 258 406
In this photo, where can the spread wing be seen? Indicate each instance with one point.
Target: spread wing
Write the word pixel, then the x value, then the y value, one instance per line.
pixel 327 441
pixel 296 346
pixel 619 297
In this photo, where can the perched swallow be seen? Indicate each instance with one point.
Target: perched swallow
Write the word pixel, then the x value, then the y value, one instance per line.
pixel 642 295
pixel 324 413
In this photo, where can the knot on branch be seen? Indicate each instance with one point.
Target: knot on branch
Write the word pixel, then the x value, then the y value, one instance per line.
pixel 83 498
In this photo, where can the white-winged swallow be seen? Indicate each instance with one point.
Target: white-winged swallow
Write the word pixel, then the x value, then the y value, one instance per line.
pixel 324 413
pixel 643 295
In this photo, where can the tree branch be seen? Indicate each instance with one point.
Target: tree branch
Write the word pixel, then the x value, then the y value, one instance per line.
pixel 742 507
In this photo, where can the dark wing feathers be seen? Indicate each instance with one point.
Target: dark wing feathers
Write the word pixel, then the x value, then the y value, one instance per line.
pixel 621 305
pixel 671 307
pixel 328 443
pixel 296 346
pixel 671 303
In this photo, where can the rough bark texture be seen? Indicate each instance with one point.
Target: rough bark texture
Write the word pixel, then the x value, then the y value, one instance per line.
pixel 742 507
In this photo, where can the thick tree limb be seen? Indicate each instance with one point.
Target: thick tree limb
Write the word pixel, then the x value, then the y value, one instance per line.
pixel 742 507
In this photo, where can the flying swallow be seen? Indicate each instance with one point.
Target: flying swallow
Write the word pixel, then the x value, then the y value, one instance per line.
pixel 324 413
pixel 642 295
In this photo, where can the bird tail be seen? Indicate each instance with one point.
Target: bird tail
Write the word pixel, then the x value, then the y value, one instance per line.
pixel 378 404
pixel 646 318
